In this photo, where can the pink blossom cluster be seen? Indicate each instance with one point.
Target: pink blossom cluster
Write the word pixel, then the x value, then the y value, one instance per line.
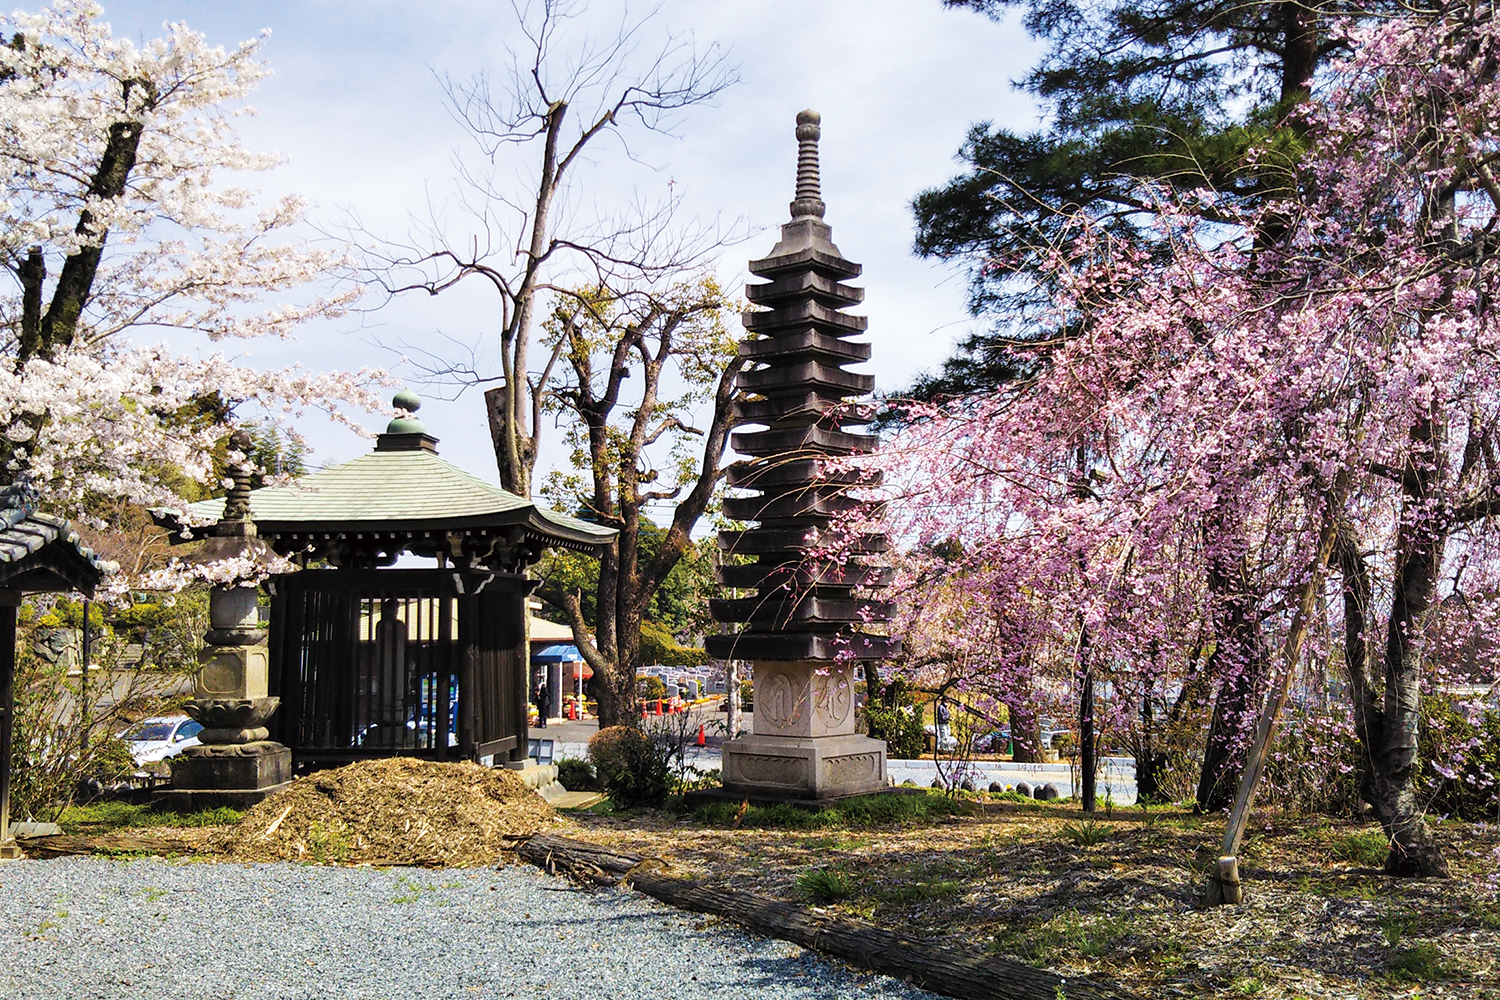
pixel 1215 397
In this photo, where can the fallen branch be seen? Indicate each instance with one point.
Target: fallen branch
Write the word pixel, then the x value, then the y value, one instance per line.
pixel 925 962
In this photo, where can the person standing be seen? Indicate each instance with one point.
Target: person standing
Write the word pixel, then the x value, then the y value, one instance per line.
pixel 543 699
pixel 942 717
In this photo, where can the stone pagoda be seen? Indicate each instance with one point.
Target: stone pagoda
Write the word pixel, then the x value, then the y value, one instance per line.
pixel 802 629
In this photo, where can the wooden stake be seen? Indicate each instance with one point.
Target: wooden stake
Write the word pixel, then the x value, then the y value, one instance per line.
pixel 1255 761
pixel 1229 881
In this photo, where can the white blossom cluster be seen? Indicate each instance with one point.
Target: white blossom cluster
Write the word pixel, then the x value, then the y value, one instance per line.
pixel 180 252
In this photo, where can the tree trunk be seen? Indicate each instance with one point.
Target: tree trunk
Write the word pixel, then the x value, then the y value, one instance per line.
pixel 1147 766
pixel 1239 661
pixel 1025 734
pixel 1393 760
pixel 615 708
pixel 1388 732
pixel 1088 762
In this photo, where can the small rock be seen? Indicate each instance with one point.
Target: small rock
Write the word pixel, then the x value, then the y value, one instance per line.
pixel 937 783
pixel 1023 788
pixel 996 788
pixel 908 783
pixel 968 785
pixel 1048 792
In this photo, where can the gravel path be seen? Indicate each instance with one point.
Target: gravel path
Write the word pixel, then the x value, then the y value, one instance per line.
pixel 94 928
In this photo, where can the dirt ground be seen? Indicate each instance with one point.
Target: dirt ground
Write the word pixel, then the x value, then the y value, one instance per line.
pixel 1116 897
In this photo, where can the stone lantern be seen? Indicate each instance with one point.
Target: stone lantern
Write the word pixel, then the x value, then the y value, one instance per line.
pixel 236 763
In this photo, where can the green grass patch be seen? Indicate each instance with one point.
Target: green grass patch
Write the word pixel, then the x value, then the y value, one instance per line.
pixel 1486 914
pixel 1089 833
pixel 107 817
pixel 834 841
pixel 865 811
pixel 1421 963
pixel 1366 847
pixel 1071 933
pixel 919 892
pixel 826 885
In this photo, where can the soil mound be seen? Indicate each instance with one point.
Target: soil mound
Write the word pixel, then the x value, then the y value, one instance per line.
pixel 395 811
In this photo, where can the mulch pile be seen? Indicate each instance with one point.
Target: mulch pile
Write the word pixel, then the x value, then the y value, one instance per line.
pixel 395 811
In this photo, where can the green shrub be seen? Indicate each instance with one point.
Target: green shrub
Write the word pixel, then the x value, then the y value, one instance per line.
pixel 900 725
pixel 1460 760
pixel 650 688
pixel 633 768
pixel 576 775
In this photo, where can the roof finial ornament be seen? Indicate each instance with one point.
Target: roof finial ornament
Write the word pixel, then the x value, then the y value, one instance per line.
pixel 406 423
pixel 809 199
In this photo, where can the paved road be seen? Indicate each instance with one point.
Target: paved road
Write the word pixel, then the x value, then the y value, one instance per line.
pixel 1116 778
pixel 95 929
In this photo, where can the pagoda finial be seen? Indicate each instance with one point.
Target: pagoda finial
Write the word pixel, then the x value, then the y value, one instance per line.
pixel 808 200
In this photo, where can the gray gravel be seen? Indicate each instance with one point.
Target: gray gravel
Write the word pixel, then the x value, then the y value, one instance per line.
pixel 157 930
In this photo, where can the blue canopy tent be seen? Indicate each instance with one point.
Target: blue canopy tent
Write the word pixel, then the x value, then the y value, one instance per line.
pixel 551 659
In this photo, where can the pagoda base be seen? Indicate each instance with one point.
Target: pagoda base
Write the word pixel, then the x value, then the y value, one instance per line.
pixel 803 767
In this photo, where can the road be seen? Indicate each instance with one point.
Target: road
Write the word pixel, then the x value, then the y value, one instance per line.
pixel 1116 778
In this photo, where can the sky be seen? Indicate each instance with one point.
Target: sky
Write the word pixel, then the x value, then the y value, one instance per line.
pixel 356 105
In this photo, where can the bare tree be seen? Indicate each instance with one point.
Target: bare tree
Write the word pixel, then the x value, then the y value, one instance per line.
pixel 562 103
pixel 636 367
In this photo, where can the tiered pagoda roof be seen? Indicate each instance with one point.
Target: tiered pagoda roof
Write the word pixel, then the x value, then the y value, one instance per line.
pixel 805 606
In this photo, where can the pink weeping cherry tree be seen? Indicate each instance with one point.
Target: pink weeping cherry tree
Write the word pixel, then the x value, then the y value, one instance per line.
pixel 1332 395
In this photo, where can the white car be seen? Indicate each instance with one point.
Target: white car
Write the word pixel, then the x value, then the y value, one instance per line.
pixel 156 739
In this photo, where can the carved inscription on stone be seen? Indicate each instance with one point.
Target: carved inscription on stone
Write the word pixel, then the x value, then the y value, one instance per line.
pixel 834 697
pixel 855 767
pixel 777 696
pixel 770 770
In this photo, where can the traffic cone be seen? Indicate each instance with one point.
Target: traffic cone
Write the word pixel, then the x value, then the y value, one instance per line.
pixel 702 740
pixel 658 706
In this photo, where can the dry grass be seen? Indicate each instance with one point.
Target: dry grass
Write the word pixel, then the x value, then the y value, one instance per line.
pixel 1320 921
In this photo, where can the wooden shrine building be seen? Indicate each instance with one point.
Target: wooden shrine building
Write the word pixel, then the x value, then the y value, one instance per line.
pixel 369 660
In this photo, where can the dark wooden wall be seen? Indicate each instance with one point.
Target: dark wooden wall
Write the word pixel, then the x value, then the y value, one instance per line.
pixel 451 687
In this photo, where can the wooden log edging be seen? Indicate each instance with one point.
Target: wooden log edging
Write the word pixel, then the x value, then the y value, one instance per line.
pixel 924 962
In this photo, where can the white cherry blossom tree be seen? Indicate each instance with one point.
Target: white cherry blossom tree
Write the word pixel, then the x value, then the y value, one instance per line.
pixel 118 228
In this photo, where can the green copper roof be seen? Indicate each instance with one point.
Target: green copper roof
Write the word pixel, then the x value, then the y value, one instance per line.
pixel 409 489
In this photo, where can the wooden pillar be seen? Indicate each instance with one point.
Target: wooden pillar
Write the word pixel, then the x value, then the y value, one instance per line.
pixel 9 599
pixel 518 641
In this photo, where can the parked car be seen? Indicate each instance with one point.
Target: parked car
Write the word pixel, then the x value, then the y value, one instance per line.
pixel 996 741
pixel 155 739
